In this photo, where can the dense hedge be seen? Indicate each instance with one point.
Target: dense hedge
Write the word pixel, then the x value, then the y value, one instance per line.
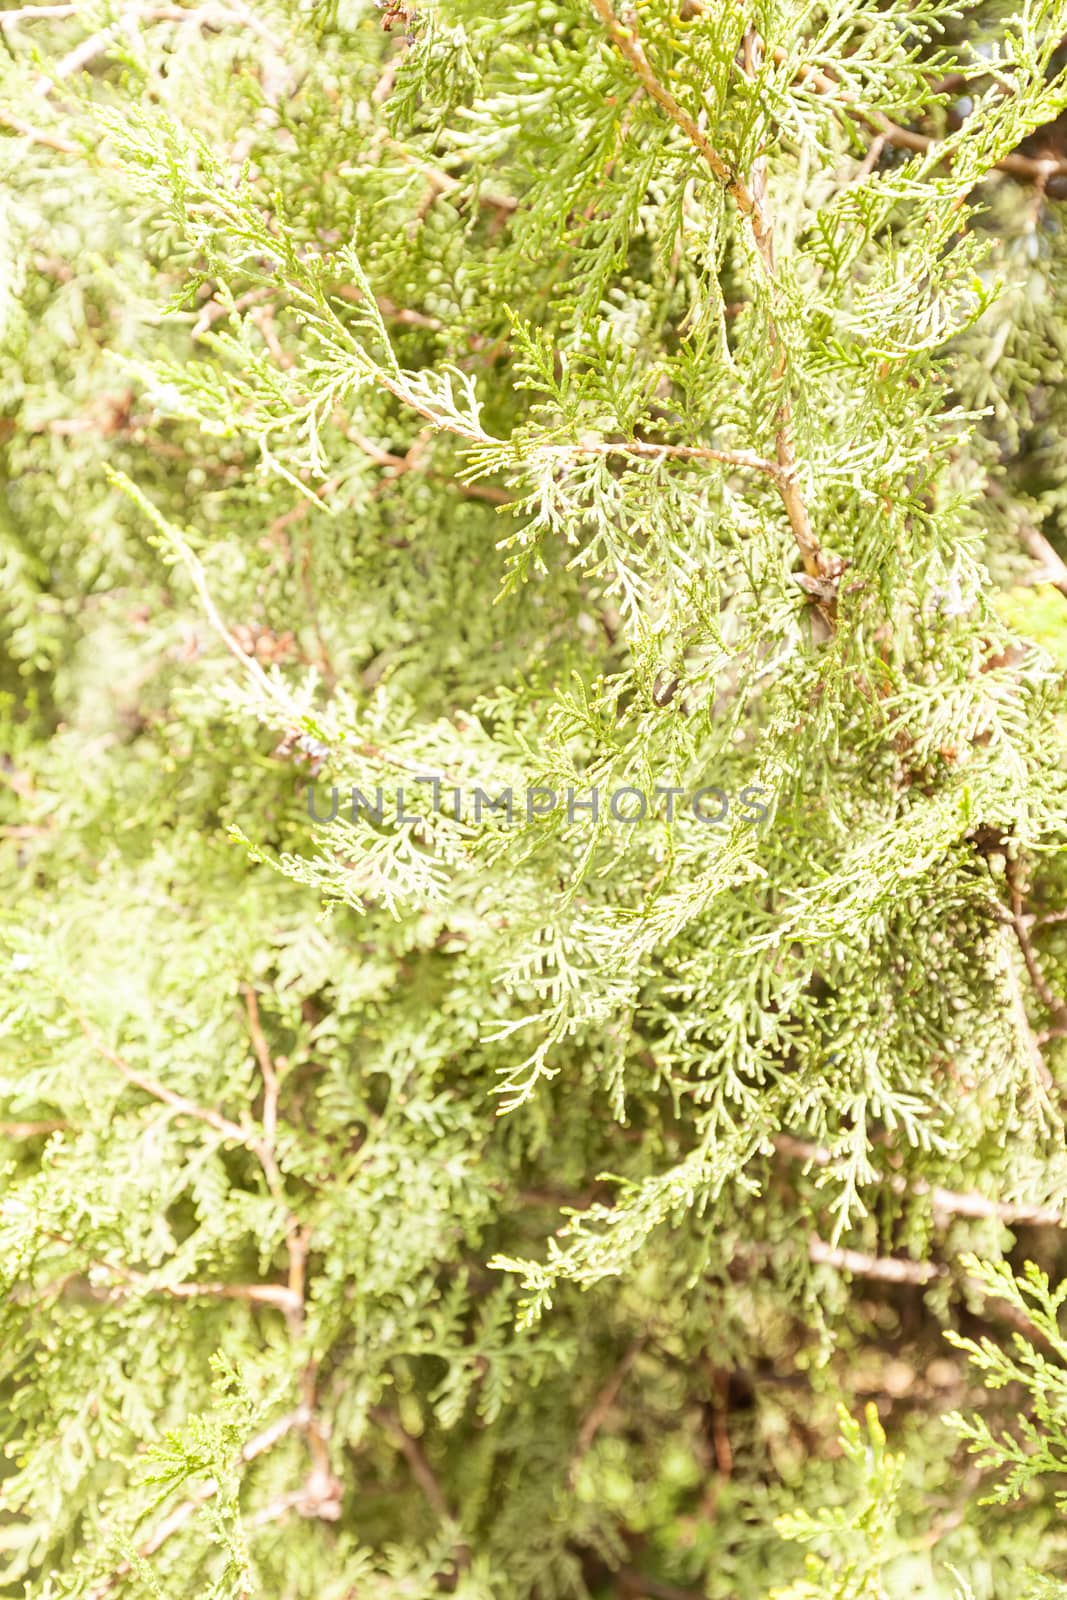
pixel 534 969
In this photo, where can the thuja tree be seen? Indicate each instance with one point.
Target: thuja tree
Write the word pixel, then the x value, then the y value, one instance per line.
pixel 409 408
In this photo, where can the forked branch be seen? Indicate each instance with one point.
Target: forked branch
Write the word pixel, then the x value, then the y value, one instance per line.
pixel 749 197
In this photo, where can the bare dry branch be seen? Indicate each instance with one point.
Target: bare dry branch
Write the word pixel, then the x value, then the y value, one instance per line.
pixel 271 1086
pixel 51 141
pixel 265 1294
pixel 12 19
pixel 883 1269
pixel 945 1202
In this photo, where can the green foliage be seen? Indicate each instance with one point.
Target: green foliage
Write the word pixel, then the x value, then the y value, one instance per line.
pixel 856 1534
pixel 1040 614
pixel 1042 1443
pixel 532 397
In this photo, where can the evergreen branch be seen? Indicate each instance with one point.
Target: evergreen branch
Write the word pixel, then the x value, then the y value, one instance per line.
pixel 444 183
pixel 450 424
pixel 750 202
pixel 322 1488
pixel 160 1091
pixel 836 972
pixel 1038 169
pixel 628 44
pixel 180 545
pixel 1055 1004
pixel 183 1513
pixel 647 450
pixel 298 1236
pixel 194 567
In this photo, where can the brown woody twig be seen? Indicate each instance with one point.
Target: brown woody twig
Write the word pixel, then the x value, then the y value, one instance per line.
pixel 602 1405
pixel 883 1269
pixel 947 1202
